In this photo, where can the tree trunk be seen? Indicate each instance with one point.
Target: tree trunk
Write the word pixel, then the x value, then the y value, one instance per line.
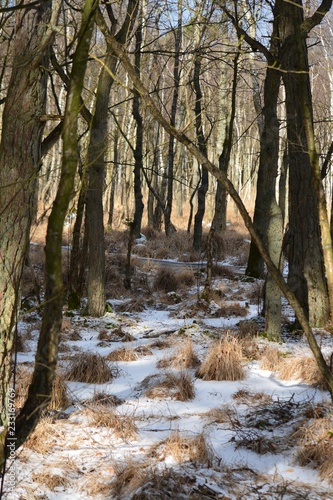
pixel 138 151
pixel 306 266
pixel 202 145
pixel 96 172
pixel 220 214
pixel 20 155
pixel 169 227
pixel 40 388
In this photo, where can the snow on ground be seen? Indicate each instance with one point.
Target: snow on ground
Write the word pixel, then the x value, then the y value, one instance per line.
pixel 251 440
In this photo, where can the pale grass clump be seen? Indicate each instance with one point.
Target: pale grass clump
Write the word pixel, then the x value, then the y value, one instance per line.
pixel 49 481
pixel 316 447
pixel 220 415
pixel 271 359
pixel 42 438
pixel 59 396
pixel 224 361
pixel 89 368
pixel 129 477
pixel 186 448
pixel 123 354
pixel 302 368
pixel 123 426
pixel 177 386
pixel 184 358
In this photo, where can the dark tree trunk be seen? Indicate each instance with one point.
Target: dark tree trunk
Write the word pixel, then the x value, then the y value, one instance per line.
pixel 20 156
pixel 306 266
pixel 220 214
pixel 138 151
pixel 202 145
pixel 96 171
pixel 169 227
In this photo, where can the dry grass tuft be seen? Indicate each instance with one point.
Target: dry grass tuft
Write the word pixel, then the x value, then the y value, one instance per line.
pixel 129 477
pixel 224 361
pixel 123 426
pixel 166 280
pixel 220 415
pixel 123 354
pixel 185 358
pixel 248 397
pixel 104 399
pixel 250 349
pixel 59 398
pixel 177 386
pixel 41 440
pixel 142 350
pixel 227 309
pixel 271 359
pixel 248 328
pixel 302 368
pixel 186 448
pixel 160 344
pixel 132 306
pixel 186 277
pixel 48 480
pixel 316 447
pixel 89 368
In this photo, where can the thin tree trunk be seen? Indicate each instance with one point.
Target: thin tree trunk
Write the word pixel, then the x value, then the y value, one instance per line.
pixel 138 151
pixel 169 227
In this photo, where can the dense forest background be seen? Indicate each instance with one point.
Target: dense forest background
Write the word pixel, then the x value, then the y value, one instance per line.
pixel 159 114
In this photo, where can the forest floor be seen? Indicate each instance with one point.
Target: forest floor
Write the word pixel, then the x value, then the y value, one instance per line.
pixel 174 396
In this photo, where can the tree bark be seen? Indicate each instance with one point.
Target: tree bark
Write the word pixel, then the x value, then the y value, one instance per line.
pixel 40 388
pixel 20 156
pixel 138 151
pixel 305 255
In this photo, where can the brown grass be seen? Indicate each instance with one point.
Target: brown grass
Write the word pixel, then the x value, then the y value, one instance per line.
pixel 186 448
pixel 302 368
pixel 160 344
pixel 90 368
pixel 220 415
pixel 316 447
pixel 123 354
pixel 166 280
pixel 177 386
pixel 271 359
pixel 129 477
pixel 59 398
pixel 248 328
pixel 185 358
pixel 224 361
pixel 123 426
pixel 134 305
pixel 42 438
pixel 250 348
pixel 252 398
pixel 232 309
pixel 104 399
pixel 48 480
